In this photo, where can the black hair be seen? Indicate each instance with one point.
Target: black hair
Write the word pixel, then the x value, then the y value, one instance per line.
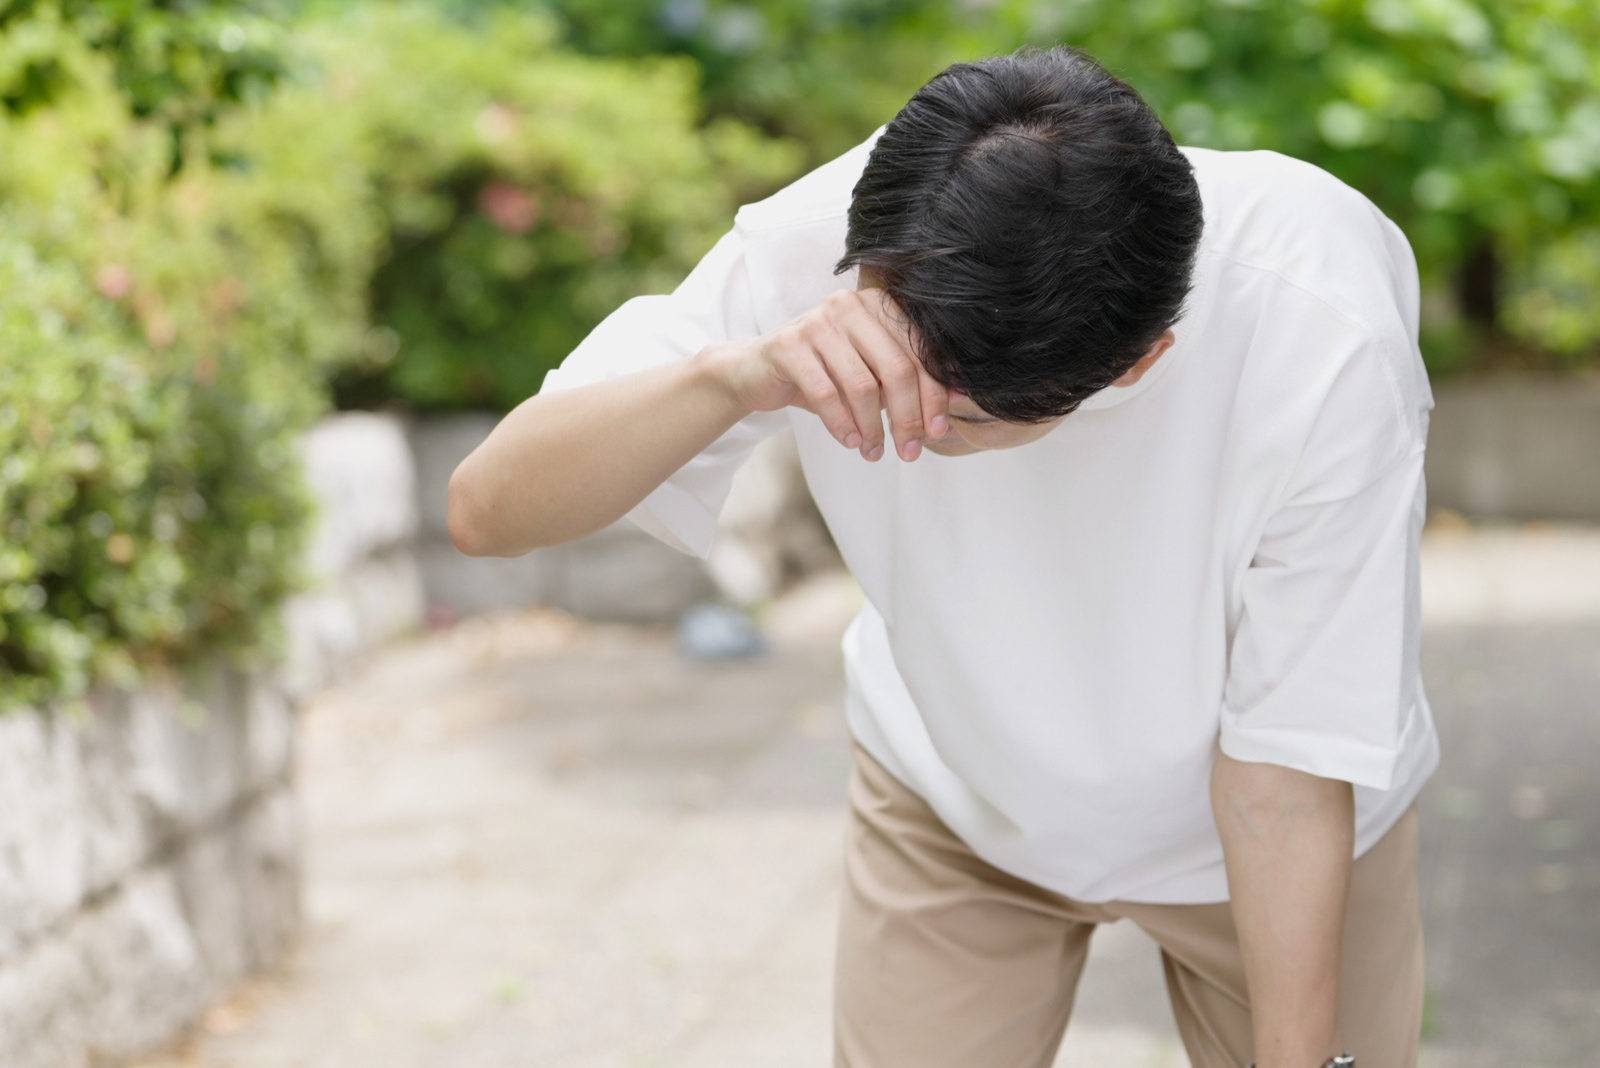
pixel 1035 222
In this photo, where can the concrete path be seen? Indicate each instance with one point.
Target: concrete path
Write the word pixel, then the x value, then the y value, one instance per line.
pixel 534 842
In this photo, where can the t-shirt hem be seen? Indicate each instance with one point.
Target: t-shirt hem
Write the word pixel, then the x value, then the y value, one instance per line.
pixel 676 518
pixel 1353 763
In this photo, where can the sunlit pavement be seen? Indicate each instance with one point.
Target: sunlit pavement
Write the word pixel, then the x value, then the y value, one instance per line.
pixel 538 843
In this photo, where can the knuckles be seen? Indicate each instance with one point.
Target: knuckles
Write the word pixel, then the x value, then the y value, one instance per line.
pixel 863 383
pixel 841 301
pixel 899 370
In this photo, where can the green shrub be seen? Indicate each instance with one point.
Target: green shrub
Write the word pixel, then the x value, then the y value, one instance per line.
pixel 163 339
pixel 179 284
pixel 177 62
pixel 824 73
pixel 1475 124
pixel 525 191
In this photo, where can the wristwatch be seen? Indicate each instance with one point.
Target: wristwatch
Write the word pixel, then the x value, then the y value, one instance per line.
pixel 1343 1060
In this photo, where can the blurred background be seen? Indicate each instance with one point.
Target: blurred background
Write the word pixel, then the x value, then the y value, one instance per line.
pixel 284 780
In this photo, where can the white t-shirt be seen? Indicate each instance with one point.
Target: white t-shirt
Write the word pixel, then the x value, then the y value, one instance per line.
pixel 1058 637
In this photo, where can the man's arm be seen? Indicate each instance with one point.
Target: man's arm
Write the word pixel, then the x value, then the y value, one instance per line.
pixel 1287 838
pixel 566 464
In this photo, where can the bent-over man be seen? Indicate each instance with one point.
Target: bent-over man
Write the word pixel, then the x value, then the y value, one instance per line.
pixel 1141 621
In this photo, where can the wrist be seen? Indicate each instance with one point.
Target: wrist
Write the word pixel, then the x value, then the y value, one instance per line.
pixel 715 371
pixel 1338 1060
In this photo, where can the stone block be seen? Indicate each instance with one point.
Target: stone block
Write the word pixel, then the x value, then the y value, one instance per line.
pixel 188 751
pixel 388 596
pixel 72 821
pixel 770 532
pixel 620 573
pixel 240 887
pixel 269 865
pixel 137 965
pixel 624 574
pixel 438 444
pixel 466 585
pixel 269 732
pixel 86 800
pixel 43 856
pixel 330 626
pixel 1521 447
pixel 210 886
pixel 117 980
pixel 359 467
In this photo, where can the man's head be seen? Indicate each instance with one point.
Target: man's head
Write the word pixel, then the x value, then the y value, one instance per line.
pixel 1036 223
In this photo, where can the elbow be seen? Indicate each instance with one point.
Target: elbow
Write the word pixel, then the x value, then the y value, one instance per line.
pixel 463 520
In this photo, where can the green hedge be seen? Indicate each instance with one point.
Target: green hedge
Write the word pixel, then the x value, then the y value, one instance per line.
pixel 525 191
pixel 150 390
pixel 208 214
pixel 1474 123
pixel 179 285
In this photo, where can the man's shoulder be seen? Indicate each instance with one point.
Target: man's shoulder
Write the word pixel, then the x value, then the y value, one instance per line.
pixel 1291 216
pixel 793 239
pixel 1263 178
pixel 1306 263
pixel 821 197
pixel 1276 215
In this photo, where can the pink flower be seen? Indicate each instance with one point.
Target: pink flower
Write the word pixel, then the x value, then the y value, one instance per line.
pixel 114 281
pixel 508 207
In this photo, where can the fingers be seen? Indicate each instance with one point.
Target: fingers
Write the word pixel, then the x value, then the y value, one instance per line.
pixel 935 404
pixel 795 359
pixel 850 359
pixel 918 404
pixel 858 384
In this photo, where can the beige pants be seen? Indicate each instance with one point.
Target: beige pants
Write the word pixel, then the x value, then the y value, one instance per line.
pixel 947 962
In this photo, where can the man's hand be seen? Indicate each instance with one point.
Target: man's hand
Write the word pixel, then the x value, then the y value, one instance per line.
pixel 1287 838
pixel 846 360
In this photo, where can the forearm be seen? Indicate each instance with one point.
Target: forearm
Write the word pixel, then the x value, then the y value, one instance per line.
pixel 1287 838
pixel 566 464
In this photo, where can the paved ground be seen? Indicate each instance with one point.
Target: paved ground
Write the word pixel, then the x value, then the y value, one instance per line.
pixel 538 843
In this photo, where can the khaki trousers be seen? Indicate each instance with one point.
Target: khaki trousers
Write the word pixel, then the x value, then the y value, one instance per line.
pixel 947 962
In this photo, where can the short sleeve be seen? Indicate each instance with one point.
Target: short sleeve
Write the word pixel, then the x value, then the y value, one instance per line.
pixel 712 304
pixel 1322 672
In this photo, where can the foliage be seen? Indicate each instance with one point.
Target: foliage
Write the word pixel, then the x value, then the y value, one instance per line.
pixel 826 72
pixel 206 217
pixel 162 341
pixel 526 191
pixel 1476 125
pixel 173 307
pixel 179 62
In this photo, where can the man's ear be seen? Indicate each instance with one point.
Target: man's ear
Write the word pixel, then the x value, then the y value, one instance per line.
pixel 1148 360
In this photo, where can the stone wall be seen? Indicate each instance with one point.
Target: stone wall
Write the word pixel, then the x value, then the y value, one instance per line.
pixel 150 850
pixel 367 587
pixel 149 858
pixel 770 532
pixel 1517 447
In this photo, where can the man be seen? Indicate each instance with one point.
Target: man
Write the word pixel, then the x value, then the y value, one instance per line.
pixel 1140 638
